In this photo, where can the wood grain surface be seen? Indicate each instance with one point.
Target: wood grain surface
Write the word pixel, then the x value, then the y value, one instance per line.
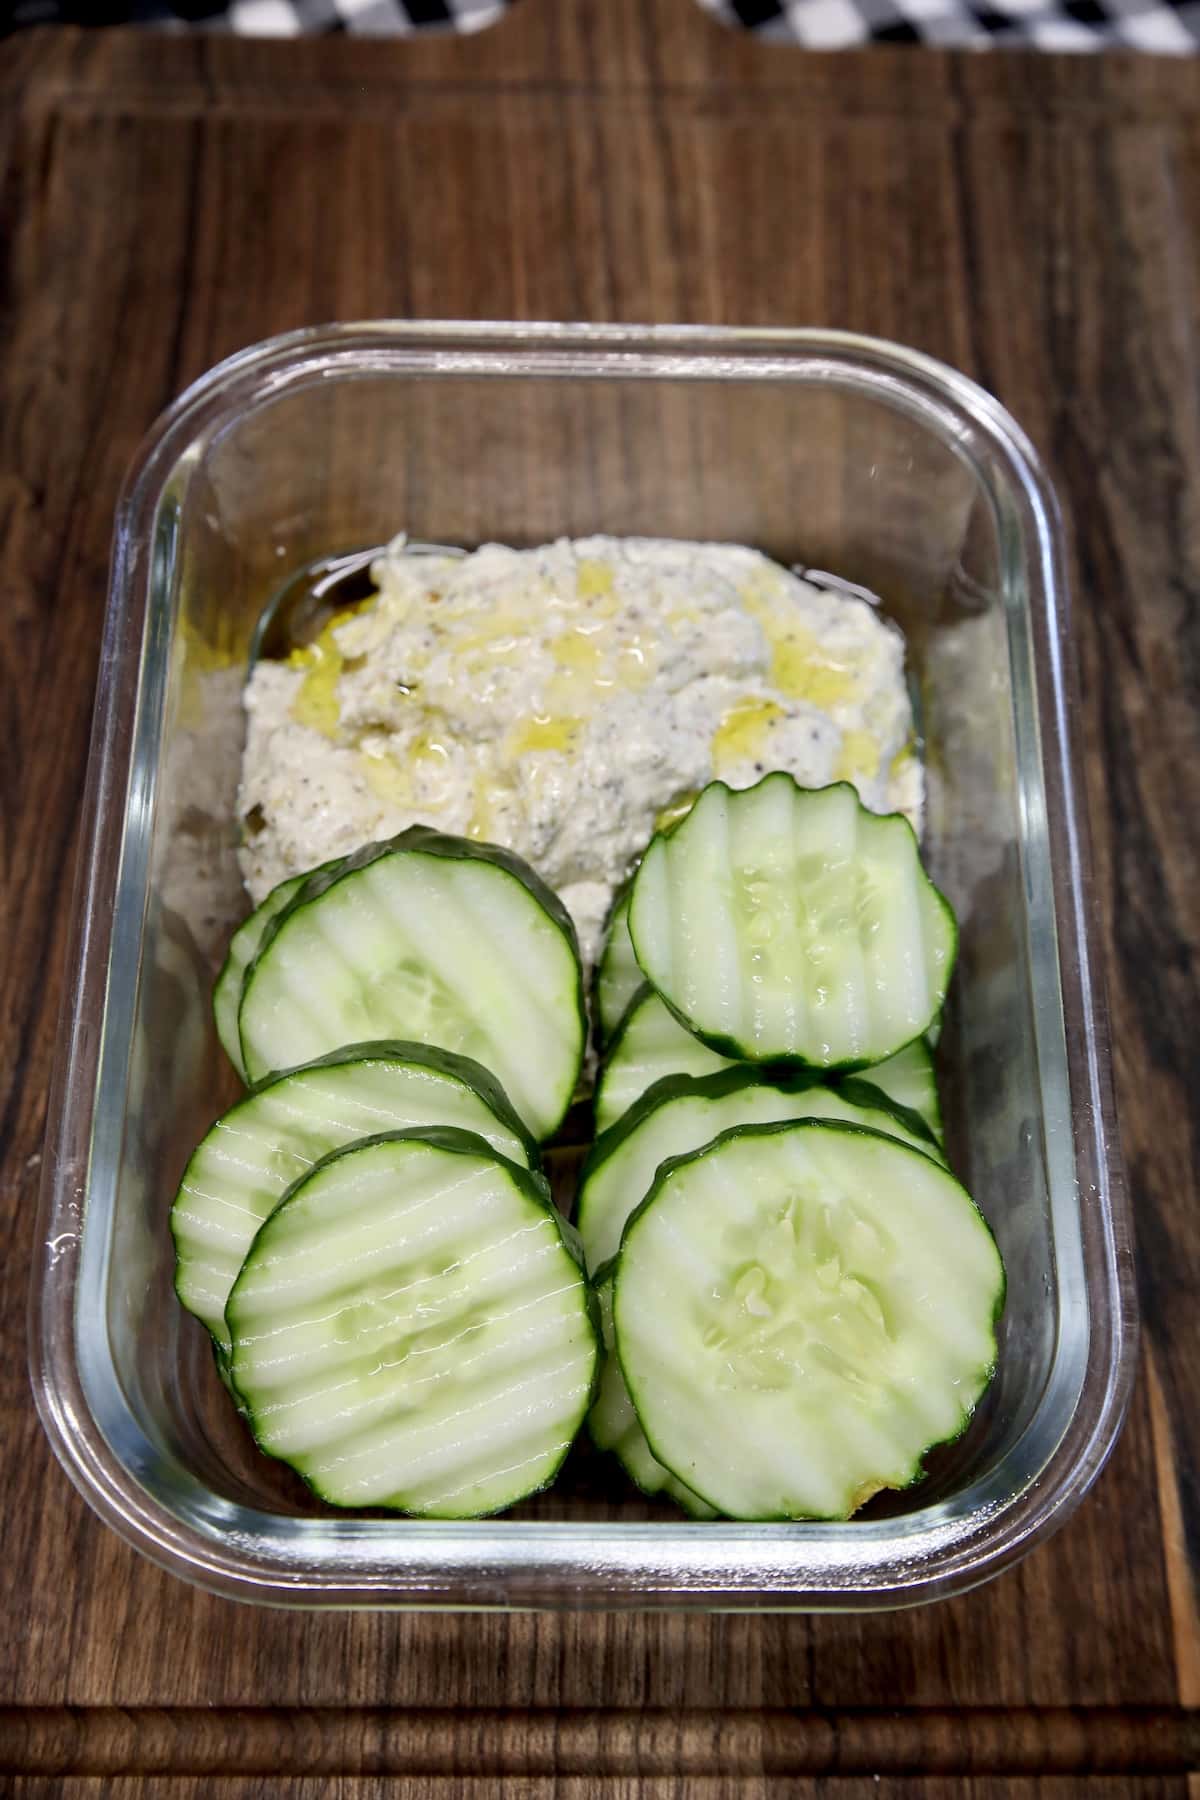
pixel 1035 221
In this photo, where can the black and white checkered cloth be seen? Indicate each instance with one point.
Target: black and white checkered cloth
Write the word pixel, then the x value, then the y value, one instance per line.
pixel 1167 27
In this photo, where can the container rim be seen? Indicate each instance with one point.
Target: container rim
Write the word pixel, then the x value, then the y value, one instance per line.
pixel 529 1564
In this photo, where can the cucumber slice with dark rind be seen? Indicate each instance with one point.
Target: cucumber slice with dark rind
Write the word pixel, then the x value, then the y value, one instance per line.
pixel 242 1167
pixel 618 976
pixel 838 1287
pixel 244 946
pixel 650 1044
pixel 332 1277
pixel 613 1424
pixel 908 1080
pixel 682 1113
pixel 907 1123
pixel 792 925
pixel 402 947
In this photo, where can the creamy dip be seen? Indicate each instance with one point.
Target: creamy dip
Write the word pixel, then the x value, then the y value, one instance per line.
pixel 562 701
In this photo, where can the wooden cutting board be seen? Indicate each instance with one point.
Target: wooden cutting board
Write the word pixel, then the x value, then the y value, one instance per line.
pixel 1034 220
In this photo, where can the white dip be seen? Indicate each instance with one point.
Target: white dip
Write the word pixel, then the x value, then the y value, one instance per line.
pixel 560 700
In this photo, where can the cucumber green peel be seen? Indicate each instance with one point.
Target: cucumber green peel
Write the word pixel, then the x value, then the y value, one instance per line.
pixel 613 1423
pixel 243 948
pixel 425 937
pixel 682 1113
pixel 832 1319
pixel 243 1165
pixel 412 1328
pixel 618 977
pixel 789 925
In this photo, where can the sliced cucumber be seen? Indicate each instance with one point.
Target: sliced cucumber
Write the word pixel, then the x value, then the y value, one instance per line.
pixel 678 1115
pixel 908 1080
pixel 241 1169
pixel 784 924
pixel 411 1328
pixel 613 1424
pixel 618 977
pixel 801 1311
pixel 650 1044
pixel 429 938
pixel 243 948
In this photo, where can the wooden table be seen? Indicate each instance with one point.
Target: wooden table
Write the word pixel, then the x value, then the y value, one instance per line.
pixel 1035 221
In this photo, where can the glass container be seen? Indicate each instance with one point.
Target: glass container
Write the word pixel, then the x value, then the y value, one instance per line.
pixel 828 451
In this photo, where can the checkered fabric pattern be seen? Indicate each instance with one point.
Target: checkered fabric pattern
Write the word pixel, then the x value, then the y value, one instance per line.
pixel 1167 27
pixel 263 18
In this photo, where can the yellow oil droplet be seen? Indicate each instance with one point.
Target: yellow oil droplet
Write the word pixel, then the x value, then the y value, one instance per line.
pixel 800 668
pixel 506 644
pixel 316 703
pixel 387 778
pixel 479 825
pixel 742 734
pixel 554 732
pixel 678 809
pixel 858 758
pixel 902 761
pixel 577 686
pixel 392 780
pixel 577 651
pixel 682 615
pixel 593 578
pixel 490 794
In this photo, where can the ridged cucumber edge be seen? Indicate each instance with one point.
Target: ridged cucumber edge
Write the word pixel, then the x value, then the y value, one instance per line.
pixel 451 1063
pixel 860 1090
pixel 676 1491
pixel 611 1050
pixel 536 1188
pixel 853 1089
pixel 705 1087
pixel 667 1169
pixel 423 841
pixel 619 904
pixel 225 973
pixel 727 1046
pixel 926 1049
pixel 928 1044
pixel 606 1051
pixel 644 992
pixel 857 1089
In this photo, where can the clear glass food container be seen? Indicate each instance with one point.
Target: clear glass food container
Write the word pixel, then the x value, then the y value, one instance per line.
pixel 824 450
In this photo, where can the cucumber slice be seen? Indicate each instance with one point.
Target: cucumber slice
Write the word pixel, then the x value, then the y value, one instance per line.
pixel 618 977
pixel 801 1312
pixel 908 1080
pixel 241 1169
pixel 243 948
pixel 678 1115
pixel 411 1328
pixel 650 1044
pixel 613 1424
pixel 784 924
pixel 433 939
